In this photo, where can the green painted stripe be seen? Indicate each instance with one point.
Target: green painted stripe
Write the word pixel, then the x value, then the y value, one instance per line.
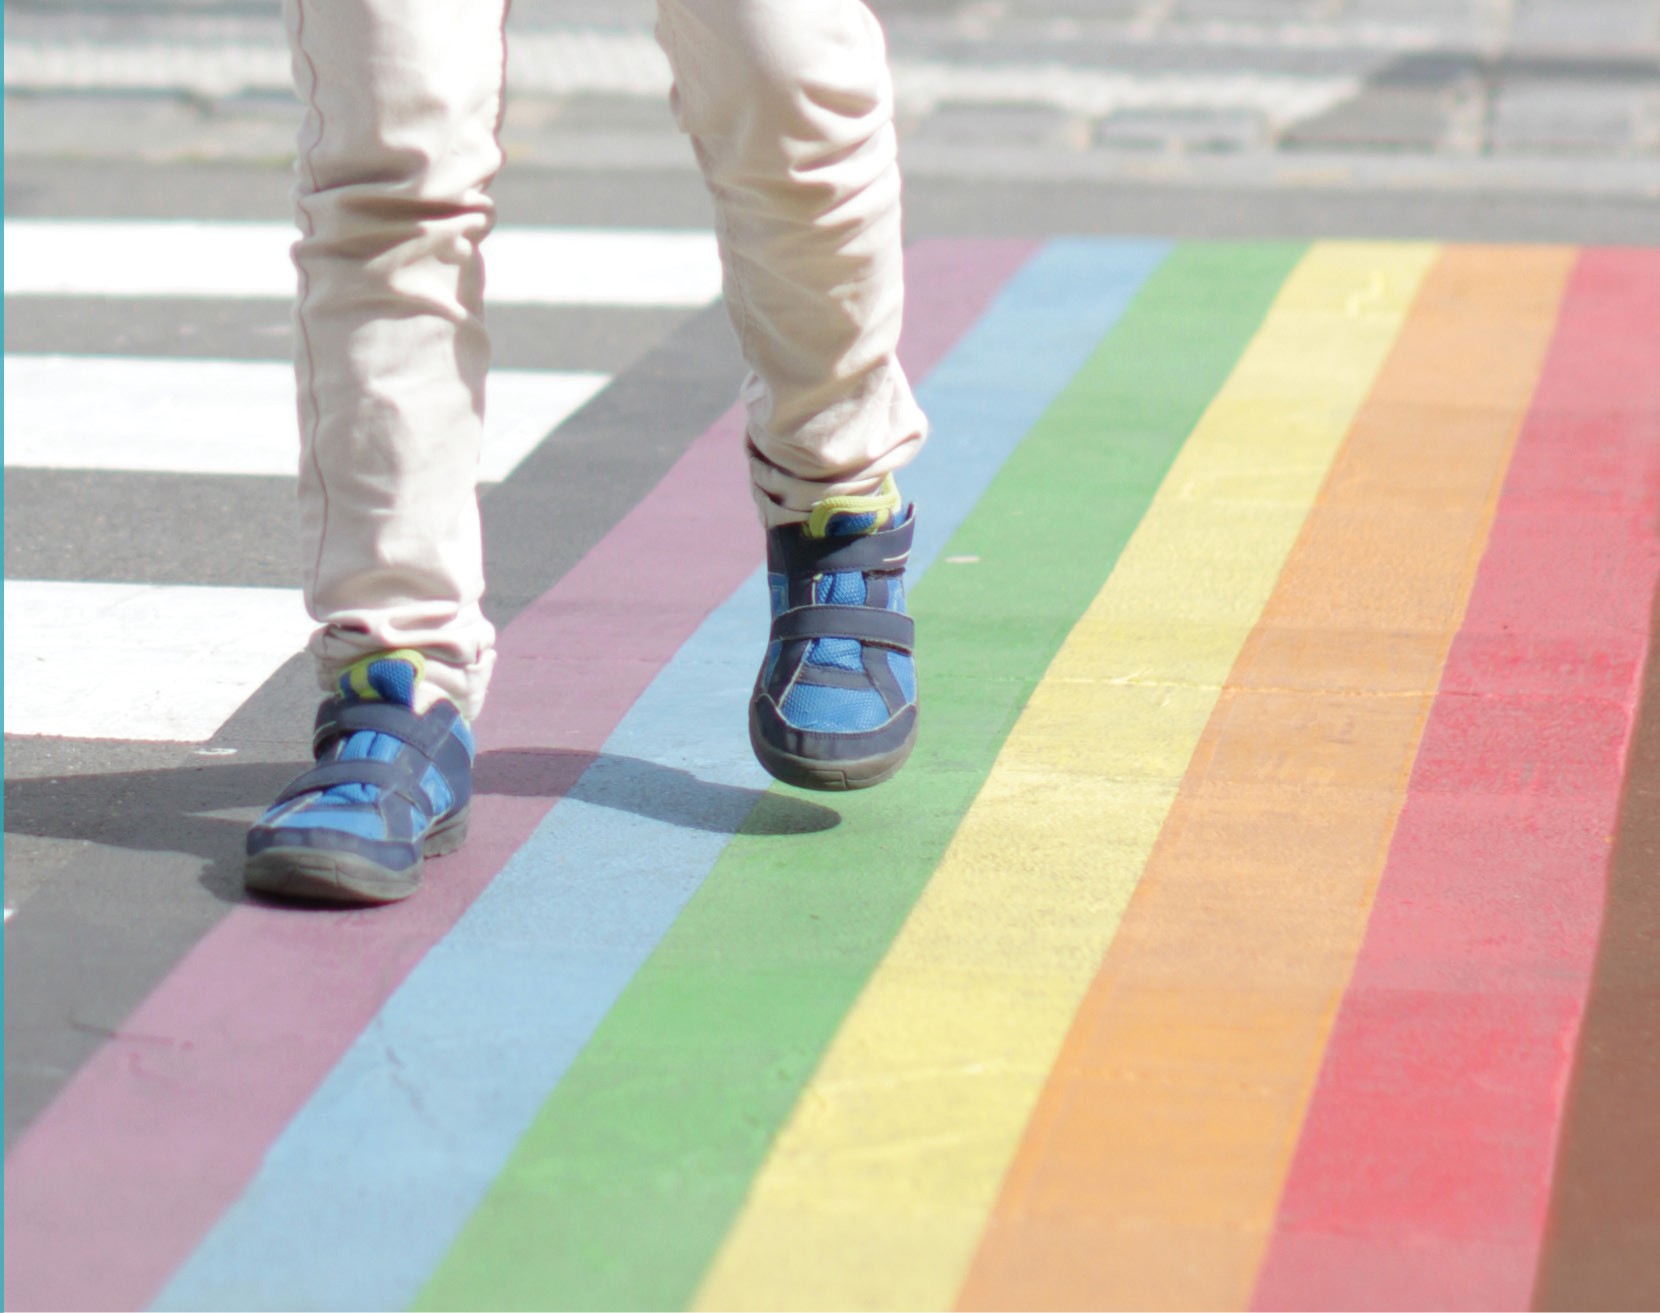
pixel 623 1188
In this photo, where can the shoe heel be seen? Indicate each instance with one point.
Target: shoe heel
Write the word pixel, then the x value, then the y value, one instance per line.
pixel 449 836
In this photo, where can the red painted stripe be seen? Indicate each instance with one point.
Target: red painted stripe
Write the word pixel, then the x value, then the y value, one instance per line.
pixel 1423 1173
pixel 120 1178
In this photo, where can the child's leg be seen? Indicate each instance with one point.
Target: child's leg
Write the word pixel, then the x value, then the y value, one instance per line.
pixel 403 101
pixel 790 109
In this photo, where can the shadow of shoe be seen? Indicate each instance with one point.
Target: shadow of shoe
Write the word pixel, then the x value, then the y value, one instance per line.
pixel 645 788
pixel 203 811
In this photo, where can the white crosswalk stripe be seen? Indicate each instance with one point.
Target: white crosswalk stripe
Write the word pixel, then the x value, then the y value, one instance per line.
pixel 140 661
pixel 527 266
pixel 226 416
pixel 114 659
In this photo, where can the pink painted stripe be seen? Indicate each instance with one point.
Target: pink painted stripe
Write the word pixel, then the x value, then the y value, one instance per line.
pixel 120 1178
pixel 1423 1174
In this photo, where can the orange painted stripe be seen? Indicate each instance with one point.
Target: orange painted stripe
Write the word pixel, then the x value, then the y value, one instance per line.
pixel 1426 1158
pixel 1151 1169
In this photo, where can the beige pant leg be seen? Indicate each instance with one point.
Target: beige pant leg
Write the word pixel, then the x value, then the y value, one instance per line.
pixel 403 101
pixel 789 106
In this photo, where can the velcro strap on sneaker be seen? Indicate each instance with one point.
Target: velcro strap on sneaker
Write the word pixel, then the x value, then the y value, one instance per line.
pixel 882 552
pixel 388 776
pixel 423 733
pixel 867 624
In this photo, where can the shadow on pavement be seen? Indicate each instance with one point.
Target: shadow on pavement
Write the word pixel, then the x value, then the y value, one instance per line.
pixel 203 812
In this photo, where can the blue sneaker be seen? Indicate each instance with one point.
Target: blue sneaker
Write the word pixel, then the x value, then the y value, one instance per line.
pixel 390 787
pixel 835 703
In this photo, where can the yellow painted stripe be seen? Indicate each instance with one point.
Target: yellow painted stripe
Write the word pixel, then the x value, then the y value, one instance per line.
pixel 879 1186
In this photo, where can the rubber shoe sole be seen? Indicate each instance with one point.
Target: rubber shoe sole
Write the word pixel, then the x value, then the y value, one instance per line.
pixel 828 776
pixel 320 876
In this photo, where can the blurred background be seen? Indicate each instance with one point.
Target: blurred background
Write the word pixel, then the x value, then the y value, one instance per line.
pixel 1447 118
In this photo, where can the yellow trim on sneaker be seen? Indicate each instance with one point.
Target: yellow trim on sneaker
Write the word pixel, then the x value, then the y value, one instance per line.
pixel 354 679
pixel 883 503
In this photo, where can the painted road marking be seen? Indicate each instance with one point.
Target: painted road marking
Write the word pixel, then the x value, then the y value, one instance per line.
pixel 645 1152
pixel 141 661
pixel 1168 1120
pixel 83 1178
pixel 1451 1056
pixel 188 258
pixel 764 962
pixel 557 935
pixel 227 416
pixel 861 1180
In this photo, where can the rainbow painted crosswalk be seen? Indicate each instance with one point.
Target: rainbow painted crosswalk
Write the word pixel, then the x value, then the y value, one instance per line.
pixel 1252 927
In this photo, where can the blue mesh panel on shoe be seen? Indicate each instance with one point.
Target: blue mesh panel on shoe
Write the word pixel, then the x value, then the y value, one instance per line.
pixel 903 667
pixel 437 788
pixel 842 653
pixel 904 673
pixel 778 595
pixel 844 525
pixel 834 710
pixel 838 590
pixel 829 709
pixel 847 589
pixel 351 820
pixel 368 745
pixel 393 680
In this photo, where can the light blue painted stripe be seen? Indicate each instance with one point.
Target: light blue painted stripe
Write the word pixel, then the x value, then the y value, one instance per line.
pixel 366 1189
